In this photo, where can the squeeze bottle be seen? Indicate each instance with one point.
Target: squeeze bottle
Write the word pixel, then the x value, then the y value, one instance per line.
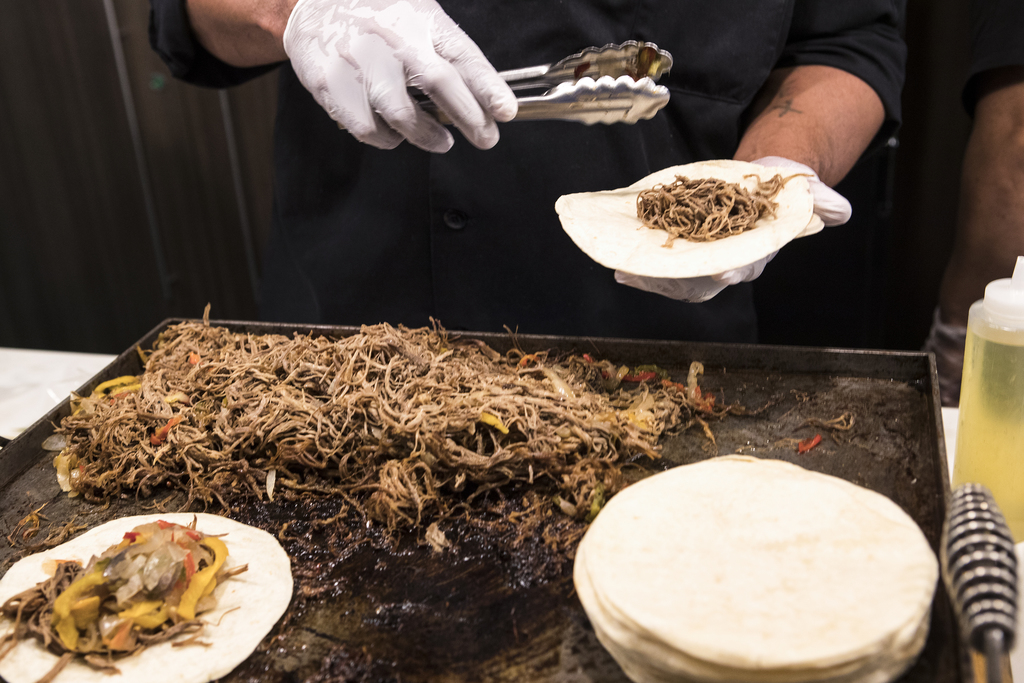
pixel 990 433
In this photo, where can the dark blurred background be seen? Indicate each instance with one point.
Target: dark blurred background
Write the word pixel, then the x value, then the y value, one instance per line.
pixel 127 197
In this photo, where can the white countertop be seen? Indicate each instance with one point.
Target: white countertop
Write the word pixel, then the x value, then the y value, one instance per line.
pixel 33 382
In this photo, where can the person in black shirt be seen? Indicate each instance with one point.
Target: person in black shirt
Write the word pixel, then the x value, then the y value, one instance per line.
pixel 363 234
pixel 990 222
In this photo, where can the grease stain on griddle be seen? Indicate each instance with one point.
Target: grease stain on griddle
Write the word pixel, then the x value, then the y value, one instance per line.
pixel 408 613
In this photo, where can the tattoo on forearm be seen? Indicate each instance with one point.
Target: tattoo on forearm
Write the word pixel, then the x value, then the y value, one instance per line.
pixel 785 107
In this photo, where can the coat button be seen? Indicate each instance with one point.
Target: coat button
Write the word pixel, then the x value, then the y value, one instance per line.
pixel 455 219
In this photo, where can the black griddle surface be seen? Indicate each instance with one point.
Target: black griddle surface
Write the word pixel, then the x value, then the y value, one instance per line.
pixel 380 612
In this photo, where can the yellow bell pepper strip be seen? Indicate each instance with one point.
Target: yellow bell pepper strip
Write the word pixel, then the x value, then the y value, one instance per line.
pixel 63 622
pixel 155 619
pixel 202 579
pixel 140 608
pixel 85 612
pixel 118 385
pixel 494 421
pixel 147 614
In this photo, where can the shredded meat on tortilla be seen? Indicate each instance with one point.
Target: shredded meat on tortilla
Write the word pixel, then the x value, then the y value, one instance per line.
pixel 406 426
pixel 32 612
pixel 707 209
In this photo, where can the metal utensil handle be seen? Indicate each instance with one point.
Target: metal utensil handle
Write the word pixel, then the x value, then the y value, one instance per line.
pixel 642 62
pixel 981 576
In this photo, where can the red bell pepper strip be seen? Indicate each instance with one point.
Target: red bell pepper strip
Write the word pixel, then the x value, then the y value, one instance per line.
pixel 808 443
pixel 161 434
pixel 527 359
pixel 130 536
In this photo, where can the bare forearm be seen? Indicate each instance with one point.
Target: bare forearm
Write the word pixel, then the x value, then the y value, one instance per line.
pixel 817 115
pixel 241 32
pixel 990 223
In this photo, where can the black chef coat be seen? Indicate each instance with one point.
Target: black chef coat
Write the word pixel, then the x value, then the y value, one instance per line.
pixel 997 40
pixel 471 237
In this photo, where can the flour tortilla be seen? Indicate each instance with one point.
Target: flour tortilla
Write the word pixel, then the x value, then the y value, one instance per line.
pixel 605 225
pixel 745 569
pixel 260 595
pixel 647 660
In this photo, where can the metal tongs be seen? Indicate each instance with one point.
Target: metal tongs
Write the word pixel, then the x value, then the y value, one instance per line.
pixel 609 84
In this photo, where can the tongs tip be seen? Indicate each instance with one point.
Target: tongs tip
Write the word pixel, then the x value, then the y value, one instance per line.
pixel 635 58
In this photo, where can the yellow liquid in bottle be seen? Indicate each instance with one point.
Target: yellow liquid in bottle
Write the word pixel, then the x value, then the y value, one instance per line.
pixel 990 433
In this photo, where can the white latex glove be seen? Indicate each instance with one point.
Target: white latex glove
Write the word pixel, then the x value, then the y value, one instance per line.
pixel 694 289
pixel 357 57
pixel 829 205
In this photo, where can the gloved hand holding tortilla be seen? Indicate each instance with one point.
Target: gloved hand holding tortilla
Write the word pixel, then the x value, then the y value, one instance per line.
pixel 606 226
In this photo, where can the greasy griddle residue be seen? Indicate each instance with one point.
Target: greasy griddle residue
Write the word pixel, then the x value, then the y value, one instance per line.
pixel 366 608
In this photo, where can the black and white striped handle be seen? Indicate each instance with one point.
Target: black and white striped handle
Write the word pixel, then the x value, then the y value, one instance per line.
pixel 979 566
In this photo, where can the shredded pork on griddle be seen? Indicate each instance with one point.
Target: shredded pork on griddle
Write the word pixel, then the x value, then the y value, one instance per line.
pixel 707 209
pixel 405 425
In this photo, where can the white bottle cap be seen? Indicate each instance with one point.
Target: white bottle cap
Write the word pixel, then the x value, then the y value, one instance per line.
pixel 1004 299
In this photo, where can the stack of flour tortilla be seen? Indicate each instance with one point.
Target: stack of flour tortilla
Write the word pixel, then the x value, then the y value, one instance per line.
pixel 741 569
pixel 606 227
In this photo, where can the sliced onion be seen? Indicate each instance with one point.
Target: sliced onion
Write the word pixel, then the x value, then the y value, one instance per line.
pixel 90 640
pixel 55 442
pixel 149 547
pixel 124 594
pixel 640 411
pixel 109 623
pixel 176 552
pixel 134 568
pixel 63 475
pixel 169 578
pixel 566 507
pixel 158 564
pixel 565 391
pixel 271 479
pixel 118 563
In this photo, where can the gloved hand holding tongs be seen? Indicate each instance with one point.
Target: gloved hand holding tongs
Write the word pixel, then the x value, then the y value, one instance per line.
pixel 364 61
